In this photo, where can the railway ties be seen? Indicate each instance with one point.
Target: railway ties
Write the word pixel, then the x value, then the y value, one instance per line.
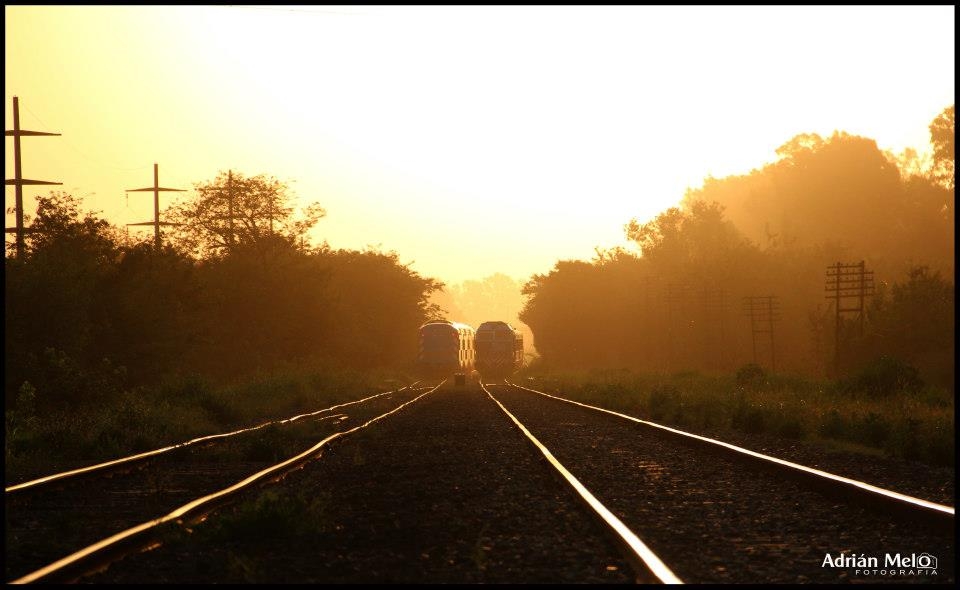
pixel 124 463
pixel 716 519
pixel 69 514
pixel 446 491
pixel 647 564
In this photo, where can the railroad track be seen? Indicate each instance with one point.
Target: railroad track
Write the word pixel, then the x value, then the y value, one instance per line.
pixel 125 463
pixel 445 492
pixel 904 506
pixel 647 564
pixel 751 517
pixel 50 517
pixel 450 492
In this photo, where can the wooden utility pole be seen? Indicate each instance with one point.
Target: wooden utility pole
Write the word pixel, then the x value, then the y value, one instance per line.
pixel 18 181
pixel 230 205
pixel 763 311
pixel 846 282
pixel 231 233
pixel 156 188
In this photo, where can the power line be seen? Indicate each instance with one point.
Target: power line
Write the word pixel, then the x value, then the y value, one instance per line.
pixel 83 155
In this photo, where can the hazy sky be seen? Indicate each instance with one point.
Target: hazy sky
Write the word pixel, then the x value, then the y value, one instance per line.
pixel 470 140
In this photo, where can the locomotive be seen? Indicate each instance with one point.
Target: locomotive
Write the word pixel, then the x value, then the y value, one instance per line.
pixel 445 348
pixel 499 350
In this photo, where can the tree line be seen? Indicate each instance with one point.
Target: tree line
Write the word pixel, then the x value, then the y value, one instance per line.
pixel 675 301
pixel 236 289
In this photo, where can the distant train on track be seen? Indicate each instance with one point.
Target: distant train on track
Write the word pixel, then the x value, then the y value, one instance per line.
pixel 499 350
pixel 445 348
pixel 495 349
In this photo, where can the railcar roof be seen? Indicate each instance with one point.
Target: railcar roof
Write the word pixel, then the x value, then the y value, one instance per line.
pixel 454 325
pixel 493 325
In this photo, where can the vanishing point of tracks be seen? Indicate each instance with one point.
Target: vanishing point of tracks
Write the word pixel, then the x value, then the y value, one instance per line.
pixel 452 488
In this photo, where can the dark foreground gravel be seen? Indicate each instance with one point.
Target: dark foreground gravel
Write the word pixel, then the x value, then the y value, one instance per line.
pixel 46 525
pixel 927 482
pixel 715 521
pixel 445 491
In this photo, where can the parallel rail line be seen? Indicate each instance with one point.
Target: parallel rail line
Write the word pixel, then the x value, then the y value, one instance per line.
pixel 890 502
pixel 649 567
pixel 125 462
pixel 147 535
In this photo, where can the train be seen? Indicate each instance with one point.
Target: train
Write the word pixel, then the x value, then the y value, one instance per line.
pixel 495 349
pixel 445 348
pixel 499 350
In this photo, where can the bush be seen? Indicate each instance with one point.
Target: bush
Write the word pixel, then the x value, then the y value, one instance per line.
pixel 664 402
pixel 833 426
pixel 751 376
pixel 884 376
pixel 790 426
pixel 751 420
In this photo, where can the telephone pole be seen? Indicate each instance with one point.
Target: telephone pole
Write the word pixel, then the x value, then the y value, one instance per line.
pixel 230 205
pixel 763 311
pixel 18 180
pixel 231 233
pixel 156 188
pixel 846 282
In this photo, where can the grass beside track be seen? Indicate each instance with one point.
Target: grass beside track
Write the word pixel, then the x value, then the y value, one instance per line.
pixel 914 425
pixel 132 421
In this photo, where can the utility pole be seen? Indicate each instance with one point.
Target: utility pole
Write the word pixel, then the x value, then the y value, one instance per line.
pixel 845 282
pixel 230 205
pixel 230 215
pixel 18 181
pixel 763 311
pixel 156 188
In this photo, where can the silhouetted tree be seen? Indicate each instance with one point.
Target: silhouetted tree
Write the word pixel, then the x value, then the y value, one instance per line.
pixel 85 316
pixel 376 306
pixel 261 209
pixel 943 139
pixel 148 312
pixel 913 320
pixel 51 294
pixel 823 201
pixel 842 194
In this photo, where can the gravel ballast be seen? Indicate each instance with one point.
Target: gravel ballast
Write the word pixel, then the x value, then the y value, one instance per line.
pixel 445 491
pixel 714 520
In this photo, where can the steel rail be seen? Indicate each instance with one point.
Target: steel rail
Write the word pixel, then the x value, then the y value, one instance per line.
pixel 648 564
pixel 124 461
pixel 145 535
pixel 903 505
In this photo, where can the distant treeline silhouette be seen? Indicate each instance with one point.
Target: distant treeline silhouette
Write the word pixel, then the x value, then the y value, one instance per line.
pixel 676 303
pixel 88 312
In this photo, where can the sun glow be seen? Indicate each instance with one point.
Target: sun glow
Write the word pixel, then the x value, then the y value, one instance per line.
pixel 469 139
